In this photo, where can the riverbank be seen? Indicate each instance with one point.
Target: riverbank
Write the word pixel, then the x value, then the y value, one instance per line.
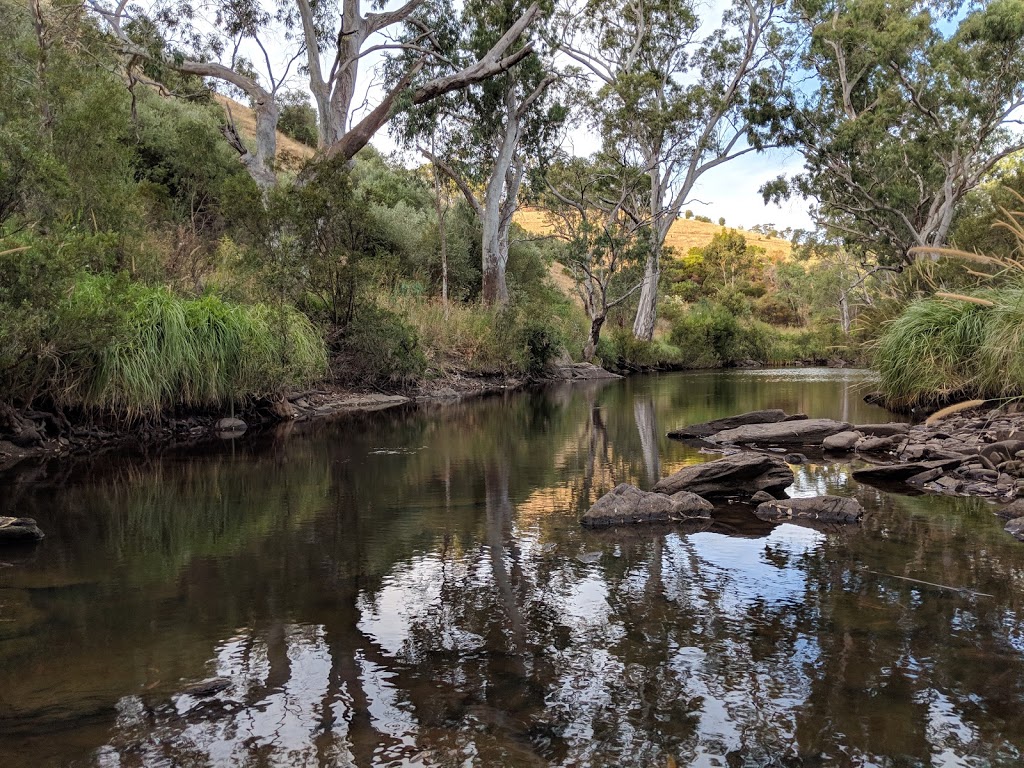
pixel 28 434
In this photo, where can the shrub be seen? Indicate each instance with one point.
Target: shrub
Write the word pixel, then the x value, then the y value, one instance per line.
pixel 377 347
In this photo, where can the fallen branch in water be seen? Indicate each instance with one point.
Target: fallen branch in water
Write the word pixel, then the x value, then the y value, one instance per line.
pixel 930 583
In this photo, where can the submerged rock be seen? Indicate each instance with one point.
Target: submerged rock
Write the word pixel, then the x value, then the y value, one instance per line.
pixel 1016 528
pixel 739 474
pixel 207 687
pixel 802 432
pixel 627 504
pixel 19 530
pixel 708 428
pixel 826 509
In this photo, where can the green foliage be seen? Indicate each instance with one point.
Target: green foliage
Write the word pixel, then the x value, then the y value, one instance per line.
pixel 900 91
pixel 123 347
pixel 931 352
pixel 297 118
pixel 377 347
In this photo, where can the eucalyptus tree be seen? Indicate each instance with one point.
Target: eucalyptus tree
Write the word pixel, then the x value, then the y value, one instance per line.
pixel 678 96
pixel 327 42
pixel 910 112
pixel 590 205
pixel 486 137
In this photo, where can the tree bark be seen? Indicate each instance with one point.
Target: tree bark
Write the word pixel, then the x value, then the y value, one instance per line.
pixel 647 309
pixel 592 340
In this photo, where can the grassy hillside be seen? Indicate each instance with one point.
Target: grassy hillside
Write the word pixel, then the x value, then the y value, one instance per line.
pixel 290 153
pixel 684 234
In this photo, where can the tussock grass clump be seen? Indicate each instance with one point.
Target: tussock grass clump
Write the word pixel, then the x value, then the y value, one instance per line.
pixel 950 347
pixel 132 349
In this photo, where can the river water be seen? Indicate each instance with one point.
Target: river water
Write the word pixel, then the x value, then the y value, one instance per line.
pixel 412 587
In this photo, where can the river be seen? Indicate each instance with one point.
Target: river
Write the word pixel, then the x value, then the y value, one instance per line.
pixel 412 587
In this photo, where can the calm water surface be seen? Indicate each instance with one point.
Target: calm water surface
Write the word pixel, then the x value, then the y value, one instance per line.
pixel 413 588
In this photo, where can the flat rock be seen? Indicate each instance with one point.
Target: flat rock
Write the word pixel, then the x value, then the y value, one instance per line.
pixel 739 474
pixel 841 441
pixel 883 430
pixel 627 504
pixel 707 428
pixel 826 509
pixel 897 473
pixel 18 530
pixel 875 444
pixel 803 432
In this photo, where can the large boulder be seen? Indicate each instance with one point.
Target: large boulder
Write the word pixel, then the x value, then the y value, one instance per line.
pixel 19 530
pixel 740 474
pixel 803 432
pixel 825 509
pixel 707 428
pixel 627 504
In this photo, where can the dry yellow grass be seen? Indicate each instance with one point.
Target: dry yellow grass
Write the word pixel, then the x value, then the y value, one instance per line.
pixel 684 234
pixel 291 154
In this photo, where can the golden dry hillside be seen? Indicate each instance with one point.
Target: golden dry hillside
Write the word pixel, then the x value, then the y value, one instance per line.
pixel 290 153
pixel 684 235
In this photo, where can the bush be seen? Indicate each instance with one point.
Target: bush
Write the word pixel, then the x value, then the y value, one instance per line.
pixel 377 347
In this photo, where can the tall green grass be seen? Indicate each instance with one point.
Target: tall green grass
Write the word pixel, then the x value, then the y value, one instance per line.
pixel 942 349
pixel 131 348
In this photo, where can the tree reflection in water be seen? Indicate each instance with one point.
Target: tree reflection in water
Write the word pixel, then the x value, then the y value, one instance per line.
pixel 414 589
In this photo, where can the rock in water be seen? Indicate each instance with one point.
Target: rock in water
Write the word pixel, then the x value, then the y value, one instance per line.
pixel 230 426
pixel 896 473
pixel 1016 528
pixel 803 432
pixel 707 428
pixel 826 509
pixel 740 474
pixel 18 530
pixel 841 441
pixel 627 504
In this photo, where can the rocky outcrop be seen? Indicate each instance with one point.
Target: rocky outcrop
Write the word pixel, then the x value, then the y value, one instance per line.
pixel 627 504
pixel 824 509
pixel 802 432
pixel 19 530
pixel 739 474
pixel 708 428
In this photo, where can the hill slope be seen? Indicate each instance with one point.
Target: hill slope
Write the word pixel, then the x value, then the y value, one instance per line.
pixel 684 234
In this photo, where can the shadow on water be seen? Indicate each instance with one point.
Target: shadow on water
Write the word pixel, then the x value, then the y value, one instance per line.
pixel 413 588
